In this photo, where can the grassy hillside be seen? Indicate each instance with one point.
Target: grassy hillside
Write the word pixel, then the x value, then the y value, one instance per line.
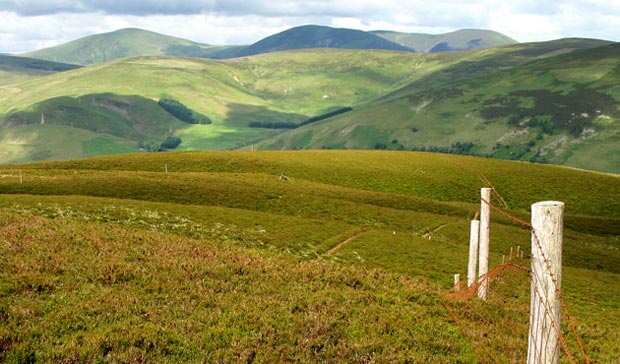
pixel 122 43
pixel 18 69
pixel 548 102
pixel 283 87
pixel 218 259
pixel 463 39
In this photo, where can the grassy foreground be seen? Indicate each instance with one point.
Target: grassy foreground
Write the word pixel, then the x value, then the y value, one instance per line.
pixel 113 260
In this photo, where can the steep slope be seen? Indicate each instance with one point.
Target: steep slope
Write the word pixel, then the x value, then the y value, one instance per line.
pixel 553 102
pixel 117 44
pixel 463 39
pixel 16 69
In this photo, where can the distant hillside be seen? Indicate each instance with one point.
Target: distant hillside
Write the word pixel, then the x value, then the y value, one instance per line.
pixel 464 39
pixel 124 43
pixel 303 37
pixel 135 42
pixel 119 99
pixel 15 69
pixel 118 44
pixel 314 36
pixel 551 102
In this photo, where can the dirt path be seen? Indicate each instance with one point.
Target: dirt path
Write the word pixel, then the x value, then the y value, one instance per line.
pixel 343 243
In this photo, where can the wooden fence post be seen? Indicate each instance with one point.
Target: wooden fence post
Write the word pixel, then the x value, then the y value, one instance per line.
pixel 483 261
pixel 457 280
pixel 166 168
pixel 544 331
pixel 474 229
pixel 21 176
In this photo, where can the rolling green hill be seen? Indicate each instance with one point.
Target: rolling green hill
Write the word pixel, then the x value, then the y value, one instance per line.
pixel 122 43
pixel 283 87
pixel 550 102
pixel 460 40
pixel 114 259
pixel 546 102
pixel 18 69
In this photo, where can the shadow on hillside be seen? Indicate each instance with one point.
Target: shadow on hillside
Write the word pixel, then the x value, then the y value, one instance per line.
pixel 243 114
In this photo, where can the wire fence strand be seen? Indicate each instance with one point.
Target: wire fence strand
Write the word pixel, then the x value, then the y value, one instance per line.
pixel 511 286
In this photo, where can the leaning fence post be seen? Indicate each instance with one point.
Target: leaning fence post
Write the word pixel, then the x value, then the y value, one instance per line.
pixel 544 331
pixel 474 228
pixel 483 263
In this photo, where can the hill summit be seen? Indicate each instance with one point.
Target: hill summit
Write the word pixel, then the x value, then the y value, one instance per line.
pixel 460 40
pixel 105 47
pixel 132 42
pixel 314 36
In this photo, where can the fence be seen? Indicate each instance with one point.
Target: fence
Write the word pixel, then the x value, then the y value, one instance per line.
pixel 502 326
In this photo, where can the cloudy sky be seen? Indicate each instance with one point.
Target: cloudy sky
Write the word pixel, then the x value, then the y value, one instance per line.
pixel 33 24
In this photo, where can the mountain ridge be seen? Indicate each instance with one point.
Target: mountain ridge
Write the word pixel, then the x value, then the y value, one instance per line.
pixel 553 102
pixel 103 47
pixel 459 40
pixel 132 42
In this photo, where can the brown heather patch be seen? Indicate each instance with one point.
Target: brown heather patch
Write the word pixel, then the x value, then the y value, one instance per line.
pixel 94 292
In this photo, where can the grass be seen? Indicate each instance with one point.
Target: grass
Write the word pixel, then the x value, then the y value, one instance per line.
pixel 485 96
pixel 19 69
pixel 289 86
pixel 217 260
pixel 30 143
pixel 400 101
pixel 216 302
pixel 457 40
pixel 122 43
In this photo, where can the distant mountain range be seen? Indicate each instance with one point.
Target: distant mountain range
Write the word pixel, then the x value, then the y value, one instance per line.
pixel 460 40
pixel 135 42
pixel 548 102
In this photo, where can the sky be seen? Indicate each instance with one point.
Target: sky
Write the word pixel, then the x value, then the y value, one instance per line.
pixel 27 25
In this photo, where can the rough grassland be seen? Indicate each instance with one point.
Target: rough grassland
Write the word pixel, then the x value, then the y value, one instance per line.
pixel 113 260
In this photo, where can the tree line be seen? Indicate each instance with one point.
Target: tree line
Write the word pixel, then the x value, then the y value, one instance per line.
pixel 182 112
pixel 292 125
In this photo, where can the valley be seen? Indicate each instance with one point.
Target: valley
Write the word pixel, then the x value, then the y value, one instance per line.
pixel 550 102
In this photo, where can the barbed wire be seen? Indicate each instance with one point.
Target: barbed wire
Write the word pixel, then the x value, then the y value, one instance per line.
pixel 458 293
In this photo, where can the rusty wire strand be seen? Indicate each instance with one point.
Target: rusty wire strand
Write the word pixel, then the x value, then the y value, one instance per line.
pixel 528 226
